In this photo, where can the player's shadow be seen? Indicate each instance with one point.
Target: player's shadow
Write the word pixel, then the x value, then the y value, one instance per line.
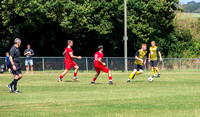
pixel 98 83
pixel 139 81
pixel 68 81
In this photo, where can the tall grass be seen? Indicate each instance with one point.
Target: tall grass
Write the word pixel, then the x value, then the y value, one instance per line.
pixel 188 22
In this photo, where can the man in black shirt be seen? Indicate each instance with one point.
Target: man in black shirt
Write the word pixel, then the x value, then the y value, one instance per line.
pixel 15 65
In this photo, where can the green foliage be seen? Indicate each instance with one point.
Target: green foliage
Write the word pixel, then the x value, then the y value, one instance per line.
pixel 48 24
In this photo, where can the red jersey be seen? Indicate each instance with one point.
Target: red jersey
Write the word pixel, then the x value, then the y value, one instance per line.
pixel 68 50
pixel 98 55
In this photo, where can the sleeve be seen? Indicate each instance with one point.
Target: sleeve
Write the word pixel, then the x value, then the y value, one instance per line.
pixel 137 53
pixel 6 59
pixel 32 52
pixel 12 52
pixel 24 51
pixel 101 56
pixel 70 50
pixel 158 50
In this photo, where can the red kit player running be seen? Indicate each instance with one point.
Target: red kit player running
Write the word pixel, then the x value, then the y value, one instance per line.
pixel 69 63
pixel 100 66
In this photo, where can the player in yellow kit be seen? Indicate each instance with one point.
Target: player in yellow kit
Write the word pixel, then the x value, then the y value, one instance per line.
pixel 153 56
pixel 140 60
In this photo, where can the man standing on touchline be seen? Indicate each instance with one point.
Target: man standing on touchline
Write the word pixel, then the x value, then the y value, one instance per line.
pixel 29 61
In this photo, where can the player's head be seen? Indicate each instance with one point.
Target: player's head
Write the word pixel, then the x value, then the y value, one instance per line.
pixel 144 46
pixel 153 43
pixel 7 53
pixel 70 43
pixel 100 48
pixel 28 46
pixel 17 42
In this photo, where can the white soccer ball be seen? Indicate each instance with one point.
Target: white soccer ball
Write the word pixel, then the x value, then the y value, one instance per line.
pixel 150 79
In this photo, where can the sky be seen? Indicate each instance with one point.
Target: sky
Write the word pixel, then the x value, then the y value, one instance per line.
pixel 186 1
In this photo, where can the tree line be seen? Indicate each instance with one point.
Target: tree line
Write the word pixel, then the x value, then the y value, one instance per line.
pixel 48 24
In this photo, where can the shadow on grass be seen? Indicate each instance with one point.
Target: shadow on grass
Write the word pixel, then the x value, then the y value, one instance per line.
pixel 139 81
pixel 68 81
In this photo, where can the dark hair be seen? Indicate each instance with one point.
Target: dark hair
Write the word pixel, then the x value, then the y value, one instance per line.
pixel 28 45
pixel 100 47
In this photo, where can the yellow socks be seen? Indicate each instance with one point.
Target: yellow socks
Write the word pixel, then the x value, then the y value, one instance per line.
pixel 131 76
pixel 153 71
pixel 157 70
pixel 137 73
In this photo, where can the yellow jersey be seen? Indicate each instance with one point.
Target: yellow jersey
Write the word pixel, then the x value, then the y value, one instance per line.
pixel 140 54
pixel 154 53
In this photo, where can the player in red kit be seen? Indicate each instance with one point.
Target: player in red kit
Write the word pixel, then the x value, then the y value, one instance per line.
pixel 69 63
pixel 100 66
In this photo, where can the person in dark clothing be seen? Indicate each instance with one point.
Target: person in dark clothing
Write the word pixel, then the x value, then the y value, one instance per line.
pixel 15 65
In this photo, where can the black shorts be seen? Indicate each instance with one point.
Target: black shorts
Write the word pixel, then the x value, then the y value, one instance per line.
pixel 18 69
pixel 153 63
pixel 138 67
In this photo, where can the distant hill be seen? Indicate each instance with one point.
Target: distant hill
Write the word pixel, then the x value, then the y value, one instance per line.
pixel 192 7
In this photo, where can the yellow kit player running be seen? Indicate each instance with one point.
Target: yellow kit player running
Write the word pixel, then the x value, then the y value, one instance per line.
pixel 140 60
pixel 153 56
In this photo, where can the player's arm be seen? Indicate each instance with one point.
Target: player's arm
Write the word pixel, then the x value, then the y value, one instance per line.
pixel 11 59
pixel 32 53
pixel 100 61
pixel 5 59
pixel 149 57
pixel 136 56
pixel 64 53
pixel 159 53
pixel 145 60
pixel 25 53
pixel 71 55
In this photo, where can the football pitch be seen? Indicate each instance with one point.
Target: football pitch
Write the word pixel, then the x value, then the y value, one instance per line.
pixel 175 94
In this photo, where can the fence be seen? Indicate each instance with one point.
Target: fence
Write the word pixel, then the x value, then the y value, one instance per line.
pixel 113 63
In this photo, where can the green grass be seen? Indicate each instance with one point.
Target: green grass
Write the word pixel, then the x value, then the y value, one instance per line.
pixel 174 94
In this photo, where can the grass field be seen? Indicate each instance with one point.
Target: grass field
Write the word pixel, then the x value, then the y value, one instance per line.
pixel 175 94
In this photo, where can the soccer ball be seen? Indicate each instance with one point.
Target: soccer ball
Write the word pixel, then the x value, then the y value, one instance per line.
pixel 150 79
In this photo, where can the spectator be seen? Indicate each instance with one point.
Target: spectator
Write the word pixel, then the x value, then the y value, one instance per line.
pixel 29 61
pixel 7 62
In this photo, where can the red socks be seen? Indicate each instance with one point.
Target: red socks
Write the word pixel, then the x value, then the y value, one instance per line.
pixel 75 74
pixel 94 79
pixel 110 78
pixel 61 77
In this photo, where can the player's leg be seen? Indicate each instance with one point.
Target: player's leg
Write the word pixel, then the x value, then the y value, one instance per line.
pixel 152 68
pixel 140 71
pixel 132 75
pixel 96 75
pixel 68 65
pixel 156 68
pixel 17 76
pixel 75 72
pixel 110 77
pixel 26 64
pixel 9 70
pixel 106 70
pixel 31 65
pixel 62 75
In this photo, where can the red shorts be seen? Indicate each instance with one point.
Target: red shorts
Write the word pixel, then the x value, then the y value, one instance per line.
pixel 69 64
pixel 101 68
